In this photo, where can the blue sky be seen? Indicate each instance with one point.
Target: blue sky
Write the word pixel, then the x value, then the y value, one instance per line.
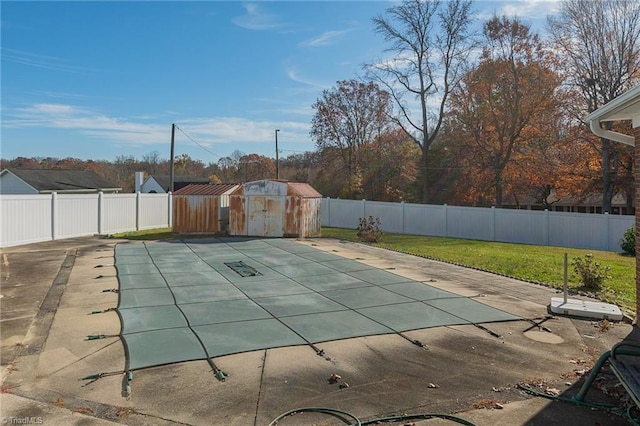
pixel 97 80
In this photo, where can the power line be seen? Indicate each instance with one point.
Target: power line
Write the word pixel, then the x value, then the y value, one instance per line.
pixel 195 142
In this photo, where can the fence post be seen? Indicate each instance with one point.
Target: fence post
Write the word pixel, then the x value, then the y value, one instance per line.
pixel 138 213
pixel 364 208
pixel 546 227
pixel 170 206
pixel 608 230
pixel 54 215
pixel 328 211
pixel 100 213
pixel 493 223
pixel 446 221
pixel 402 217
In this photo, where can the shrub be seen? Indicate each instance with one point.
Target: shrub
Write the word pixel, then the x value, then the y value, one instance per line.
pixel 628 241
pixel 370 230
pixel 592 273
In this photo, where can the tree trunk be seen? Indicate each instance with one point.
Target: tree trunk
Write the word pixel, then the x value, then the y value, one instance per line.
pixel 425 174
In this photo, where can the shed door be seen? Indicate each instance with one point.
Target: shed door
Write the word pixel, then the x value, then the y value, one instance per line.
pixel 264 216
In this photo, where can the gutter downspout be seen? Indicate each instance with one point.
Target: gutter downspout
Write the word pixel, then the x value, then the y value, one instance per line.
pixel 594 125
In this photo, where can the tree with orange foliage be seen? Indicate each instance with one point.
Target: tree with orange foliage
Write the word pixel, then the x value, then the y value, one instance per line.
pixel 506 113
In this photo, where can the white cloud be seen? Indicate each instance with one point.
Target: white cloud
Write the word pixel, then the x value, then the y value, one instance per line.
pixel 325 39
pixel 313 86
pixel 207 132
pixel 526 9
pixel 256 18
pixel 41 61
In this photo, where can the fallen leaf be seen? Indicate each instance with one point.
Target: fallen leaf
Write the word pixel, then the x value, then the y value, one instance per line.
pixel 552 391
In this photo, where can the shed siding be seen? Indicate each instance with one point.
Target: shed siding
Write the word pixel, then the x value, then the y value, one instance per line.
pixel 196 213
pixel 237 215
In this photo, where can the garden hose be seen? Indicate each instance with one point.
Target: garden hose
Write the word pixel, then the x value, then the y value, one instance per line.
pixel 613 409
pixel 357 422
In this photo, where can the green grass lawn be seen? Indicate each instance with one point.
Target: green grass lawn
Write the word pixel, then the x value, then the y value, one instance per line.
pixel 540 264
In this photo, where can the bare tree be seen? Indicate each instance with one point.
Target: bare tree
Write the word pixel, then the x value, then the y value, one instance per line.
pixel 348 117
pixel 431 41
pixel 600 44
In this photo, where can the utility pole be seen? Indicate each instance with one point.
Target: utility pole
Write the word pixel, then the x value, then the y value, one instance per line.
pixel 277 162
pixel 173 138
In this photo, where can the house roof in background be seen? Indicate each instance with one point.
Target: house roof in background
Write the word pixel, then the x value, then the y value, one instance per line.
pixel 206 189
pixel 63 180
pixel 164 180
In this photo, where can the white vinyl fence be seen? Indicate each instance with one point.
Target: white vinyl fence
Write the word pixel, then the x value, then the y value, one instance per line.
pixel 32 218
pixel 560 229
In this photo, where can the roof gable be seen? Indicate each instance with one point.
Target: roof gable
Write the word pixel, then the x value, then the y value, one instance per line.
pixel 178 181
pixel 50 180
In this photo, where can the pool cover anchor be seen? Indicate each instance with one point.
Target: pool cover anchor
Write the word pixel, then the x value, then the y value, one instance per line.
pixel 101 312
pixel 220 375
pixel 491 332
pixel 126 386
pixel 100 336
pixel 539 323
pixel 94 377
pixel 414 341
pixel 319 352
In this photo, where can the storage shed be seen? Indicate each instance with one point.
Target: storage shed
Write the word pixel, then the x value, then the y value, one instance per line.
pixel 202 208
pixel 275 208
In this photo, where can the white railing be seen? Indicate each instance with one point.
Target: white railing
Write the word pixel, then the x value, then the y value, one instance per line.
pixel 32 218
pixel 577 230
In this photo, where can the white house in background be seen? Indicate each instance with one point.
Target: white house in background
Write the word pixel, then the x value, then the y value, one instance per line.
pixel 159 184
pixel 46 181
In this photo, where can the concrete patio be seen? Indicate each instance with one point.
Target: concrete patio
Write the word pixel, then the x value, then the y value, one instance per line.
pixel 49 290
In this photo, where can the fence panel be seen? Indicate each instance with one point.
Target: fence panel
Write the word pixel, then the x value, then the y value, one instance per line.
pixel 474 223
pixel 154 211
pixel 24 220
pixel 618 225
pixel 425 219
pixel 76 215
pixel 343 213
pixel 577 230
pixel 390 214
pixel 521 226
pixel 118 213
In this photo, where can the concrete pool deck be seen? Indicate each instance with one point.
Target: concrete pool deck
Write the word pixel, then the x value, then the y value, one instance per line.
pixel 50 288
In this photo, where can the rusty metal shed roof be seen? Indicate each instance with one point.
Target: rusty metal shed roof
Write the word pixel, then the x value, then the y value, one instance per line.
pixel 295 189
pixel 207 189
pixel 304 190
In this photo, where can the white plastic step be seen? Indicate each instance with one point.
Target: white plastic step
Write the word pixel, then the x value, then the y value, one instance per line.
pixel 586 309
